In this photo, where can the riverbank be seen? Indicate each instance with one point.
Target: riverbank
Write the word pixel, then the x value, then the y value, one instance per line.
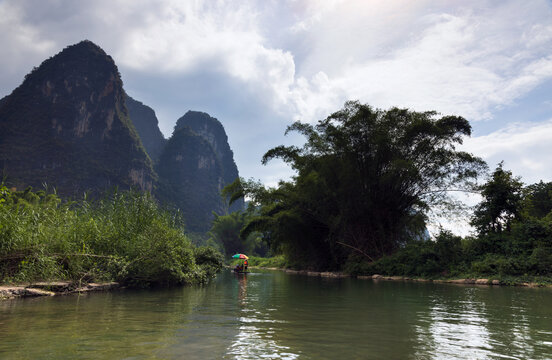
pixel 67 288
pixel 53 289
pixel 234 317
pixel 465 281
pixel 377 277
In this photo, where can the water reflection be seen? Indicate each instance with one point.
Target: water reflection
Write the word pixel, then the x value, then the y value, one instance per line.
pixel 454 330
pixel 242 289
pixel 520 331
pixel 272 315
pixel 480 323
pixel 256 338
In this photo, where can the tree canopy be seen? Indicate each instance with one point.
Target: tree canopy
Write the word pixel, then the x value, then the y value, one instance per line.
pixel 365 181
pixel 226 229
pixel 502 195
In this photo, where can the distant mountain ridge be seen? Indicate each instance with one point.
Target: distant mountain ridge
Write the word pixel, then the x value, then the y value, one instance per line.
pixel 212 130
pixel 71 125
pixel 146 123
pixel 191 177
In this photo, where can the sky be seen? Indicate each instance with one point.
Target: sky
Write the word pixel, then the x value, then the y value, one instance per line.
pixel 258 66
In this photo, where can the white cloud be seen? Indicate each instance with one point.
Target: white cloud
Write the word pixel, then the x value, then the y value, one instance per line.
pixel 21 42
pixel 223 37
pixel 460 60
pixel 465 58
pixel 525 149
pixel 181 36
pixel 284 60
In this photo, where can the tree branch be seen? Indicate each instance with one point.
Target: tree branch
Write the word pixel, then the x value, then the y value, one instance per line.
pixel 356 249
pixel 449 190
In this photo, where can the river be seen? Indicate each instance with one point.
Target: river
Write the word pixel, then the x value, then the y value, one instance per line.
pixel 274 315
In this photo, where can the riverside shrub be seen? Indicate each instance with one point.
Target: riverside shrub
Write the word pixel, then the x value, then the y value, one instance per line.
pixel 124 236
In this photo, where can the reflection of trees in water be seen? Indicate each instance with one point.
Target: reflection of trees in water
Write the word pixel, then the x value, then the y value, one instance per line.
pixel 242 290
pixel 474 322
pixel 276 315
pixel 165 323
pixel 454 327
pixel 520 321
pixel 346 318
pixel 257 333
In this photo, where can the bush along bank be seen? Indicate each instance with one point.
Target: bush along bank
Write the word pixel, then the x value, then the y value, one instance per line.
pixel 275 262
pixel 504 259
pixel 124 237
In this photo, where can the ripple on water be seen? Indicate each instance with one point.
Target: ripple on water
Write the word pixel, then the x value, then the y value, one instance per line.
pixel 279 316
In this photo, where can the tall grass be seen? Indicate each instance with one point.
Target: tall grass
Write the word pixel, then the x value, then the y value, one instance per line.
pixel 124 237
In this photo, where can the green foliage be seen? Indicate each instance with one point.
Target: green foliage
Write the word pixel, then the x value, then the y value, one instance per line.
pixel 365 181
pixel 538 200
pixel 514 241
pixel 441 257
pixel 123 237
pixel 540 260
pixel 209 259
pixel 501 202
pixel 278 261
pixel 493 264
pixel 226 230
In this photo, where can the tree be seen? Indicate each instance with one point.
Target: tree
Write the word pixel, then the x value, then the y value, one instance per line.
pixel 538 199
pixel 501 204
pixel 226 231
pixel 365 181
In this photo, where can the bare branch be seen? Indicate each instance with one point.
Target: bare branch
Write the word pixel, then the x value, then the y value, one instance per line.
pixel 356 249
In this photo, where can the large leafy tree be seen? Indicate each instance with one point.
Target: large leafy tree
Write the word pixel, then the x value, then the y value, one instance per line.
pixel 365 180
pixel 501 204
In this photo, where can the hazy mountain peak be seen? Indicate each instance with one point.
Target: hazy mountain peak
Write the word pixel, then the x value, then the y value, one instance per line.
pixel 212 130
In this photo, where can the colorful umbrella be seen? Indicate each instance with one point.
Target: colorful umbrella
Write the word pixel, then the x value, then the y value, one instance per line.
pixel 240 256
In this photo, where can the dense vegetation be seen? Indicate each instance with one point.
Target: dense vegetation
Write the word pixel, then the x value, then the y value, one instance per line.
pixel 278 262
pixel 365 181
pixel 124 237
pixel 513 240
pixel 226 230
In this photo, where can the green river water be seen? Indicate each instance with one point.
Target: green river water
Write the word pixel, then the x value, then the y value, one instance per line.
pixel 274 315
